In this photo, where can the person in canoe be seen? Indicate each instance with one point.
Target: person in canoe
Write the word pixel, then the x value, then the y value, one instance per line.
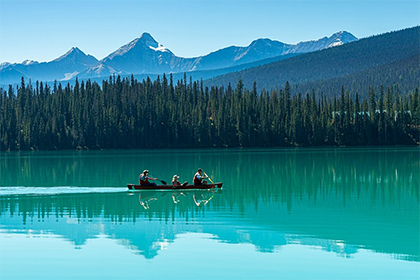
pixel 144 179
pixel 198 178
pixel 176 183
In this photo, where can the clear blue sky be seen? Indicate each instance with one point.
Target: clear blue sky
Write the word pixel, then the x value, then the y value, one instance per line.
pixel 44 30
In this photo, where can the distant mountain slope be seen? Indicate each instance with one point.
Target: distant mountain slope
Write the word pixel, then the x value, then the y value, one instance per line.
pixel 65 67
pixel 262 49
pixel 10 74
pixel 146 56
pixel 330 63
pixel 207 74
pixel 142 55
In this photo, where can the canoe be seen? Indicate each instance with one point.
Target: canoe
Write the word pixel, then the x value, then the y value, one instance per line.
pixel 170 187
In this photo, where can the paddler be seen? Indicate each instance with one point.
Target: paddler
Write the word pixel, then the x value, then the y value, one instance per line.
pixel 176 183
pixel 144 179
pixel 198 178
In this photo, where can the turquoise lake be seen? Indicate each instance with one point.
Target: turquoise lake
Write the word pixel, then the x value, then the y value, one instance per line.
pixel 326 213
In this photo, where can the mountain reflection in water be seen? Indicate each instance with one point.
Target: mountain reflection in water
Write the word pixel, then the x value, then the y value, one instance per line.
pixel 337 201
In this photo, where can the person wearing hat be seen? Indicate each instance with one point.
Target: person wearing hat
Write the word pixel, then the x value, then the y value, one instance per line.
pixel 198 178
pixel 144 179
pixel 175 181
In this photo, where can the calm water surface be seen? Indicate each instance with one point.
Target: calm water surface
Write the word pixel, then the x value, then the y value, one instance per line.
pixel 282 214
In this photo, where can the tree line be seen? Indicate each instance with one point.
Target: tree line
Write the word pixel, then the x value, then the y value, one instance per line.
pixel 127 113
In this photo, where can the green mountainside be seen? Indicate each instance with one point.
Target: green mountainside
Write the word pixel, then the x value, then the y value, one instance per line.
pixel 403 74
pixel 386 59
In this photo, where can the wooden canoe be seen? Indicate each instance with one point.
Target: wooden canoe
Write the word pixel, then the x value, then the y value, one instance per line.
pixel 170 187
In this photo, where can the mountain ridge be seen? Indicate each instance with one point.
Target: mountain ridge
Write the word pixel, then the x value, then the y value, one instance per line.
pixel 332 63
pixel 144 55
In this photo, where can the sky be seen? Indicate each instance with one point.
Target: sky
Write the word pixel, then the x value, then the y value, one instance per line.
pixel 45 30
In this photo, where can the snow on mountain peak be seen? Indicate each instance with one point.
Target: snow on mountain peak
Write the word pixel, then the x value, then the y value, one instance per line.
pixel 340 38
pixel 344 37
pixel 29 62
pixel 160 48
pixel 5 65
pixel 69 76
pixel 25 62
pixel 145 41
pixel 149 41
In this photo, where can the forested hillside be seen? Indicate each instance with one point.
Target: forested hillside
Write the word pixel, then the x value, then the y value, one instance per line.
pixel 404 73
pixel 126 113
pixel 399 49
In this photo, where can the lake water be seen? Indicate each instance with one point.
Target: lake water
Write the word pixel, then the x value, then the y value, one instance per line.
pixel 282 214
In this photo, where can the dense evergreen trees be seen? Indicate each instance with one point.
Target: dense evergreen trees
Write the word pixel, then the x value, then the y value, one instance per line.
pixel 126 113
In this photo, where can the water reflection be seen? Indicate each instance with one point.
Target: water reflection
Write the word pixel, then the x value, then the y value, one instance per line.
pixel 200 197
pixel 267 225
pixel 334 200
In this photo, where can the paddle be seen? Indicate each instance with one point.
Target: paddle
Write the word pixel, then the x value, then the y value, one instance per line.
pixel 163 182
pixel 208 177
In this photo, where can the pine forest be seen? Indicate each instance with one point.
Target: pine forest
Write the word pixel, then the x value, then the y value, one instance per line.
pixel 127 113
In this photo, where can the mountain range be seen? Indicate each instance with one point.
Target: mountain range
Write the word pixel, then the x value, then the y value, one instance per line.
pixel 387 59
pixel 146 56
